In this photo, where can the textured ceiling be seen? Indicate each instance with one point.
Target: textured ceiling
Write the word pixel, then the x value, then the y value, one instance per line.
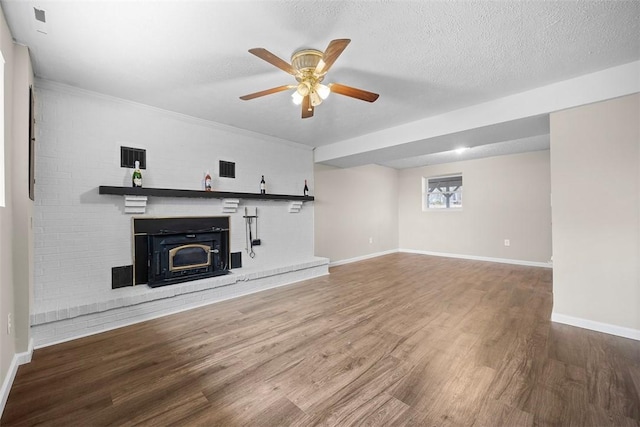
pixel 423 58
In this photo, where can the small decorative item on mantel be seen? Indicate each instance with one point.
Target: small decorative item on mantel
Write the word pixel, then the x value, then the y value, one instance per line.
pixel 263 186
pixel 305 191
pixel 207 181
pixel 136 177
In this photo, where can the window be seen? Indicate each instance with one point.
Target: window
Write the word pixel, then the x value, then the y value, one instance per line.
pixel 442 192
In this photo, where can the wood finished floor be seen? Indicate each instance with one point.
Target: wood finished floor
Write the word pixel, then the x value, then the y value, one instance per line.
pixel 399 340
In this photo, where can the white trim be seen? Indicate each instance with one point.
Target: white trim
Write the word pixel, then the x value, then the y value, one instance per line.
pixel 18 359
pixel 481 258
pixel 361 258
pixel 61 87
pixel 606 328
pixel 8 382
pixel 25 357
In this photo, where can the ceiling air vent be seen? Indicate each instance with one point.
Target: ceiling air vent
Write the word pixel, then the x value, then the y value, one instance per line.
pixel 40 15
pixel 41 20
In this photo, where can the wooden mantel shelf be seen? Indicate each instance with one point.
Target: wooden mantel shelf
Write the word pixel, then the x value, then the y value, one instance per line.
pixel 170 192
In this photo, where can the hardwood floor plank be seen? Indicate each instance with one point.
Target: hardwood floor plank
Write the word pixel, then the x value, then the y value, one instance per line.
pixel 162 410
pixel 426 379
pixel 398 340
pixel 50 409
pixel 560 388
pixel 244 401
pixel 461 397
pixel 281 413
pixel 494 413
pixel 377 410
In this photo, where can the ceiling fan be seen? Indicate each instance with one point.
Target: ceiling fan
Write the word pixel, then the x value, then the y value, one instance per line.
pixel 309 67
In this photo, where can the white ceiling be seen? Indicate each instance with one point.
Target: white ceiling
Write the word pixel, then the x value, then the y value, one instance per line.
pixel 423 58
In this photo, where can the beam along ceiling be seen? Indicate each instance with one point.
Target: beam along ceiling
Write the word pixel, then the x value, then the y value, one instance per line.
pixel 423 58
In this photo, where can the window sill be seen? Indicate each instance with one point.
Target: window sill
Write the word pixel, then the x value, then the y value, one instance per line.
pixel 442 210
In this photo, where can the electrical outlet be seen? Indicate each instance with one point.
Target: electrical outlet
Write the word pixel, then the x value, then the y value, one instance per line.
pixel 370 240
pixel 9 324
pixel 507 242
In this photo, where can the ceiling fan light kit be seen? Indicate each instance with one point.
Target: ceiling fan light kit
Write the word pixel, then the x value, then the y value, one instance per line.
pixel 309 67
pixel 297 98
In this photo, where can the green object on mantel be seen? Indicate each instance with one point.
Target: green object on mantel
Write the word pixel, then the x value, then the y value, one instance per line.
pixel 170 192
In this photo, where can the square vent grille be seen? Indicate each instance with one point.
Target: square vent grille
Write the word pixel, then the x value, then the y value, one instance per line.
pixel 121 276
pixel 227 169
pixel 128 157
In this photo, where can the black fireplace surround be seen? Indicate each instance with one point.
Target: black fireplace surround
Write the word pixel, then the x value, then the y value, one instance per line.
pixel 173 250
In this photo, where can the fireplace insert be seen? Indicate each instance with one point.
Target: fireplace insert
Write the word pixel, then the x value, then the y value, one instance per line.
pixel 181 249
pixel 179 257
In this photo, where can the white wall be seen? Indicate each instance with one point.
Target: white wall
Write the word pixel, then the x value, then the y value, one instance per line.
pixel 15 254
pixel 22 204
pixel 80 235
pixel 506 197
pixel 353 206
pixel 7 342
pixel 595 175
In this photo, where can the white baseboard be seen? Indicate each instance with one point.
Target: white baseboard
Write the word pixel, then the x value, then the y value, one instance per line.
pixel 481 258
pixel 607 328
pixel 361 258
pixel 18 359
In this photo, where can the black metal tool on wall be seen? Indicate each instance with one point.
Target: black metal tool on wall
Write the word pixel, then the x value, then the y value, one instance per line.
pixel 251 242
pixel 256 241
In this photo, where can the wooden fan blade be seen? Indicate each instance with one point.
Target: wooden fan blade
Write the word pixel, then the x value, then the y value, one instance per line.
pixel 307 108
pixel 266 92
pixel 273 60
pixel 353 92
pixel 332 53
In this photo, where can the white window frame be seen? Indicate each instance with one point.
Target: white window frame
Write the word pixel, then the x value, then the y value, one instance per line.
pixel 426 207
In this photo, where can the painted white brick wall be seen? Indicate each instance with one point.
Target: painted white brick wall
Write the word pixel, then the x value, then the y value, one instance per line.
pixel 80 235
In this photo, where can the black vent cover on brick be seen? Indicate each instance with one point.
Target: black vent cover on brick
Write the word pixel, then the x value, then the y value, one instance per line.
pixel 121 276
pixel 128 157
pixel 227 169
pixel 236 259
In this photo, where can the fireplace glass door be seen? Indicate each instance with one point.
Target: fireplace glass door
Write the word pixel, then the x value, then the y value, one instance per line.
pixel 189 256
pixel 186 256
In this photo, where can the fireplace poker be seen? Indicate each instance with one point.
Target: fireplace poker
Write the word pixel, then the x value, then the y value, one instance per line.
pixel 252 253
pixel 248 234
pixel 256 241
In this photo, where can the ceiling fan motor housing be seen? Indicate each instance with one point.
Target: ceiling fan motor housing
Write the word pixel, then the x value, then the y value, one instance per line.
pixel 306 61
